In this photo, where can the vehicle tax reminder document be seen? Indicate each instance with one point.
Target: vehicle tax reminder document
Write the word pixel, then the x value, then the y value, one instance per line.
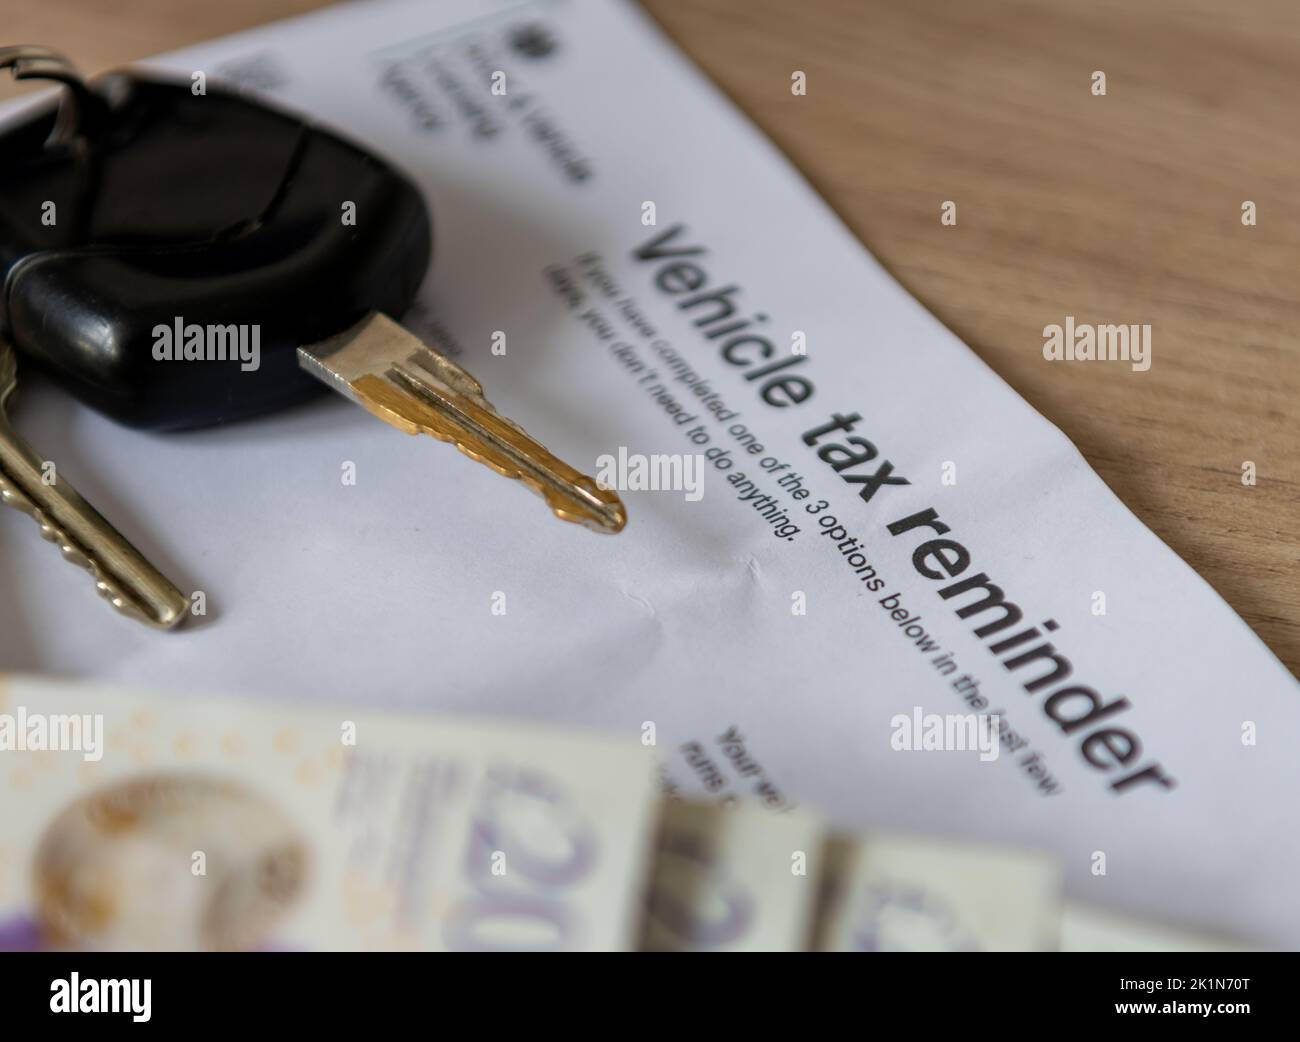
pixel 845 531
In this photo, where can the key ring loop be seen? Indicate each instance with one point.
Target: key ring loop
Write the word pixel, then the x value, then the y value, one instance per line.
pixel 78 106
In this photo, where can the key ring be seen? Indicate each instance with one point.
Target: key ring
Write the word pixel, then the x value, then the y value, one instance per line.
pixel 78 107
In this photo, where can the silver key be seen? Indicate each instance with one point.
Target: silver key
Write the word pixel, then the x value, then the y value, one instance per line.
pixel 122 575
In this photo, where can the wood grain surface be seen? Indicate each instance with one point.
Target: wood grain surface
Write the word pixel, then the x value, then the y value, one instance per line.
pixel 1117 209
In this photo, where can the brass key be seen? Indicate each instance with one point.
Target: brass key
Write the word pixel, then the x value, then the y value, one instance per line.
pixel 122 576
pixel 400 379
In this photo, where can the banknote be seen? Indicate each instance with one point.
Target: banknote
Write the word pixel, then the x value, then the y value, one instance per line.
pixel 896 893
pixel 732 879
pixel 145 822
pixel 138 821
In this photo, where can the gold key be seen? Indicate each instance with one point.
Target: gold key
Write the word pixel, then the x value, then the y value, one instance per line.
pixel 122 576
pixel 392 373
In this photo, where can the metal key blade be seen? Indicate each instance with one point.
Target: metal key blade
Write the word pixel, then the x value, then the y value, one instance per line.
pixel 122 575
pixel 381 366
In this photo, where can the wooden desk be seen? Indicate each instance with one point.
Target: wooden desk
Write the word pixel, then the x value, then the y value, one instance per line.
pixel 1117 209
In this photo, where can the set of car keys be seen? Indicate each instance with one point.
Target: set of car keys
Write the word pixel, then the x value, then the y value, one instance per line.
pixel 213 212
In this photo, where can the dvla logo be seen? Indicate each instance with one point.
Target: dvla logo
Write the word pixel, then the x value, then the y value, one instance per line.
pixel 74 995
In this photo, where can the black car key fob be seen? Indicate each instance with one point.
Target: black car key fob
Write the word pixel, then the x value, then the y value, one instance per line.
pixel 152 237
pixel 179 258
